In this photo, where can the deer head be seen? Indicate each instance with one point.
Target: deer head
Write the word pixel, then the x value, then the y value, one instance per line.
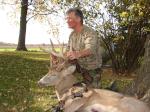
pixel 58 71
pixel 54 77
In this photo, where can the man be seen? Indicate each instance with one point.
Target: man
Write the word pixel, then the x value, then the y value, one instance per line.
pixel 84 48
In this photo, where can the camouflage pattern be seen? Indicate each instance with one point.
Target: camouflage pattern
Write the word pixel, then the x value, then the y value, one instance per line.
pixel 86 39
pixel 96 75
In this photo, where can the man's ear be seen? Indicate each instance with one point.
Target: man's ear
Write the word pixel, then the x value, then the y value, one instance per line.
pixel 69 70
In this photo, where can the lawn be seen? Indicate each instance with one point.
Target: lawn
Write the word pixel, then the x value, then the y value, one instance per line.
pixel 13 49
pixel 19 73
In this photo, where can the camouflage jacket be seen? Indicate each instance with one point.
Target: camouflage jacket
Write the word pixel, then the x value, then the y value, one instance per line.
pixel 86 39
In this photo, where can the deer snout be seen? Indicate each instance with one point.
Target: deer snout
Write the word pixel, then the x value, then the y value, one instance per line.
pixel 40 84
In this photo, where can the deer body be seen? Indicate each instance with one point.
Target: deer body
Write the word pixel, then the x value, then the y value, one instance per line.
pixel 94 100
pixel 106 101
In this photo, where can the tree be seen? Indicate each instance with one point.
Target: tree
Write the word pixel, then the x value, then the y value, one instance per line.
pixel 140 87
pixel 37 9
pixel 40 8
pixel 15 6
pixel 23 24
pixel 126 29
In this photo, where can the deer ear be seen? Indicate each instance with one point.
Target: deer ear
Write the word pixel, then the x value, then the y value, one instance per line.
pixel 69 70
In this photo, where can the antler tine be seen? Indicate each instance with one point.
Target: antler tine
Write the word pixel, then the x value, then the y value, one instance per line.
pixel 52 45
pixel 58 41
pixel 51 62
pixel 53 52
pixel 62 48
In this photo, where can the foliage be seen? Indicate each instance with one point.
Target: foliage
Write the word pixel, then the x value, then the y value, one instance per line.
pixel 128 31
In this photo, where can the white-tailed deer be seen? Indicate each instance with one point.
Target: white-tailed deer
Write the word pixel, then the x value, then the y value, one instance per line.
pixel 94 100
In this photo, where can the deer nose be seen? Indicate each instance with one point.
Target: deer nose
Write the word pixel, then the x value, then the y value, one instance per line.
pixel 40 84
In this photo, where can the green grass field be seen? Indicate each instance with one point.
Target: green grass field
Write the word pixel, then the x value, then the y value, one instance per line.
pixel 19 73
pixel 13 49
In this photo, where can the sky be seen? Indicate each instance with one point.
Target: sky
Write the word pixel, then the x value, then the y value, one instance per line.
pixel 36 32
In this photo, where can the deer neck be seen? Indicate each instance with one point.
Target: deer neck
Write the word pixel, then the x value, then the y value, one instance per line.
pixel 64 85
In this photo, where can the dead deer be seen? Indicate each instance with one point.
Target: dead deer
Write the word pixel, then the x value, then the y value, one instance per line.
pixel 94 100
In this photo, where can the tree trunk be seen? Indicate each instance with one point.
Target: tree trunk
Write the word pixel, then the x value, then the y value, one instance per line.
pixel 141 85
pixel 23 22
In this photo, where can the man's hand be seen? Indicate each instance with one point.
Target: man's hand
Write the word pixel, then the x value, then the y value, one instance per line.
pixel 73 55
pixel 77 54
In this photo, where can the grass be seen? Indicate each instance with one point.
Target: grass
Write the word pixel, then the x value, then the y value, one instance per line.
pixel 29 49
pixel 13 49
pixel 19 73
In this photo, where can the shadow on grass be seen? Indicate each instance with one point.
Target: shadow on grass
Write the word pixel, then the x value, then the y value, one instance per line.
pixel 18 83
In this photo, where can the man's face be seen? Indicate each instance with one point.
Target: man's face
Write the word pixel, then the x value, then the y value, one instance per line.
pixel 72 20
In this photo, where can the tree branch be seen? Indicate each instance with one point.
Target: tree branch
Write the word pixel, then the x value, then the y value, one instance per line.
pixel 43 14
pixel 6 3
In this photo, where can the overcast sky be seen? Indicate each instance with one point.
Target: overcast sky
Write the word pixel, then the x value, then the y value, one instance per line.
pixel 36 32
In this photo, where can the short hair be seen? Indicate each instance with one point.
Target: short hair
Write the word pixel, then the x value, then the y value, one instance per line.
pixel 78 13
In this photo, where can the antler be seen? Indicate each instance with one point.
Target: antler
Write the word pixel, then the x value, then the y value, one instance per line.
pixel 59 55
pixel 54 52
